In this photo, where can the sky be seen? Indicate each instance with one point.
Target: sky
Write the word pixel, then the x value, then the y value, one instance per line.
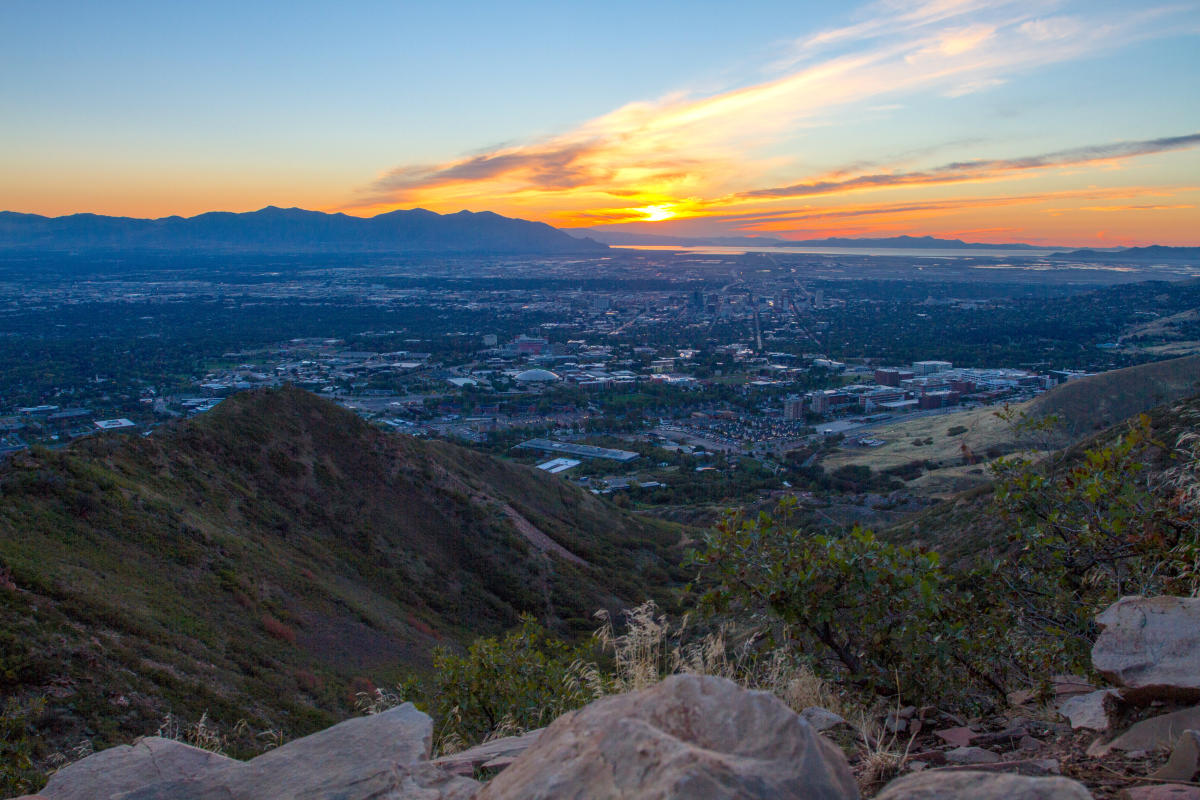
pixel 1057 122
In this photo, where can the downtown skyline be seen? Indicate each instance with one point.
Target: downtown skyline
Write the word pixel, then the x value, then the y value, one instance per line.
pixel 1062 123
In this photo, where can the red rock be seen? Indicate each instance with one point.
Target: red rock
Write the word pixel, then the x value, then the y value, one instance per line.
pixel 957 737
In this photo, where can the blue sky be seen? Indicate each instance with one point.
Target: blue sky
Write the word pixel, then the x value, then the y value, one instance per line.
pixel 649 116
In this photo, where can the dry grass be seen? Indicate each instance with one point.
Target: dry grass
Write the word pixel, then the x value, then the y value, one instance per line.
pixel 201 733
pixel 652 647
pixel 1183 482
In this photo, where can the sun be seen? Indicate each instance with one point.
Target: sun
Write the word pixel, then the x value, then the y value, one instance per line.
pixel 655 213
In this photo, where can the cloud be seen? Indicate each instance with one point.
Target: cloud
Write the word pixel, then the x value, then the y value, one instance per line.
pixel 691 153
pixel 989 169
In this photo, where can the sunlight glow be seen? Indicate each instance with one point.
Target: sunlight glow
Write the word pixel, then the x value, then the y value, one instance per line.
pixel 655 213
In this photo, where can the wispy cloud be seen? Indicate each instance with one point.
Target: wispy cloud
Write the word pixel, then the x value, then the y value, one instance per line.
pixel 696 154
pixel 984 169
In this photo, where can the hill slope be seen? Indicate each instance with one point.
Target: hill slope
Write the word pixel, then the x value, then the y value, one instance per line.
pixel 947 463
pixel 263 561
pixel 292 230
pixel 966 525
pixel 1098 401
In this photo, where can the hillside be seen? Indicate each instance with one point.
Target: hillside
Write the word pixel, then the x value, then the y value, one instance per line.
pixel 942 455
pixel 1099 401
pixel 291 230
pixel 266 560
pixel 966 525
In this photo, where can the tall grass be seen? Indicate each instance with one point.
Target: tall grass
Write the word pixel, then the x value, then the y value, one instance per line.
pixel 651 647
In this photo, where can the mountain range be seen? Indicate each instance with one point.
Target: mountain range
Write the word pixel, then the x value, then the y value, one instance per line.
pixel 1154 252
pixel 292 230
pixel 618 238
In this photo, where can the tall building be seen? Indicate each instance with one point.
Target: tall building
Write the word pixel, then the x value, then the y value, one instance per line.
pixel 793 407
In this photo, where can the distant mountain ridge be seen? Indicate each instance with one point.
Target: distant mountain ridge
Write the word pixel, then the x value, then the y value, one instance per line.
pixel 273 229
pixel 618 238
pixel 1154 252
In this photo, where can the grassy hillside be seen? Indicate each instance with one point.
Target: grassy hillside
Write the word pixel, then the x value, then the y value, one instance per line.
pixel 1090 404
pixel 265 561
pixel 949 453
pixel 967 525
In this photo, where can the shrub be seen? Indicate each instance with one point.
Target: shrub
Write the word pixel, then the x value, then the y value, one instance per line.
pixel 506 685
pixel 279 630
pixel 1102 528
pixel 881 616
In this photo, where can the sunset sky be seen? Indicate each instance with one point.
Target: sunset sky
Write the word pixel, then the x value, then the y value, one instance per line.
pixel 1045 122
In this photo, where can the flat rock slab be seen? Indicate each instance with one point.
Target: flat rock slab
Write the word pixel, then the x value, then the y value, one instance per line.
pixel 947 785
pixel 119 769
pixel 958 737
pixel 1150 734
pixel 690 737
pixel 366 758
pixel 971 755
pixel 489 754
pixel 1150 646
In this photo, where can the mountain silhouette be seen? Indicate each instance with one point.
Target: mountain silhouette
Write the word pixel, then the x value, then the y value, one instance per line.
pixel 273 229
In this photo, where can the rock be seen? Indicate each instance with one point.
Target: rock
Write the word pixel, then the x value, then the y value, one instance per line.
pixel 971 755
pixel 1151 734
pixel 126 767
pixel 958 737
pixel 1165 791
pixel 1184 762
pixel 1024 766
pixel 383 755
pixel 690 736
pixel 1091 711
pixel 490 754
pixel 1070 684
pixel 821 719
pixel 1009 737
pixel 954 785
pixel 1150 647
pixel 894 723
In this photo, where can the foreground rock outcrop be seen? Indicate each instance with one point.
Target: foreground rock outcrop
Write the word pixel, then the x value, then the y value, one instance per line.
pixel 1150 647
pixel 367 758
pixel 688 737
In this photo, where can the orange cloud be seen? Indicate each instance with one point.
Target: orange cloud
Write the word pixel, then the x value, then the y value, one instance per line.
pixel 715 157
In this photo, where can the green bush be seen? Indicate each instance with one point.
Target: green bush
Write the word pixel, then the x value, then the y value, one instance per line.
pixel 505 685
pixel 880 616
pixel 1091 532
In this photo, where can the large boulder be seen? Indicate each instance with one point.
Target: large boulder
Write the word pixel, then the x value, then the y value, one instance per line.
pixel 120 769
pixel 939 785
pixel 1150 646
pixel 693 737
pixel 383 755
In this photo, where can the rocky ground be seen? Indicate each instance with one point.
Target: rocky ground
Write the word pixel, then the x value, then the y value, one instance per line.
pixel 694 736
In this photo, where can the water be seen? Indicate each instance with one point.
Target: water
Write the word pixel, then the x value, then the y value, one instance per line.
pixel 898 252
